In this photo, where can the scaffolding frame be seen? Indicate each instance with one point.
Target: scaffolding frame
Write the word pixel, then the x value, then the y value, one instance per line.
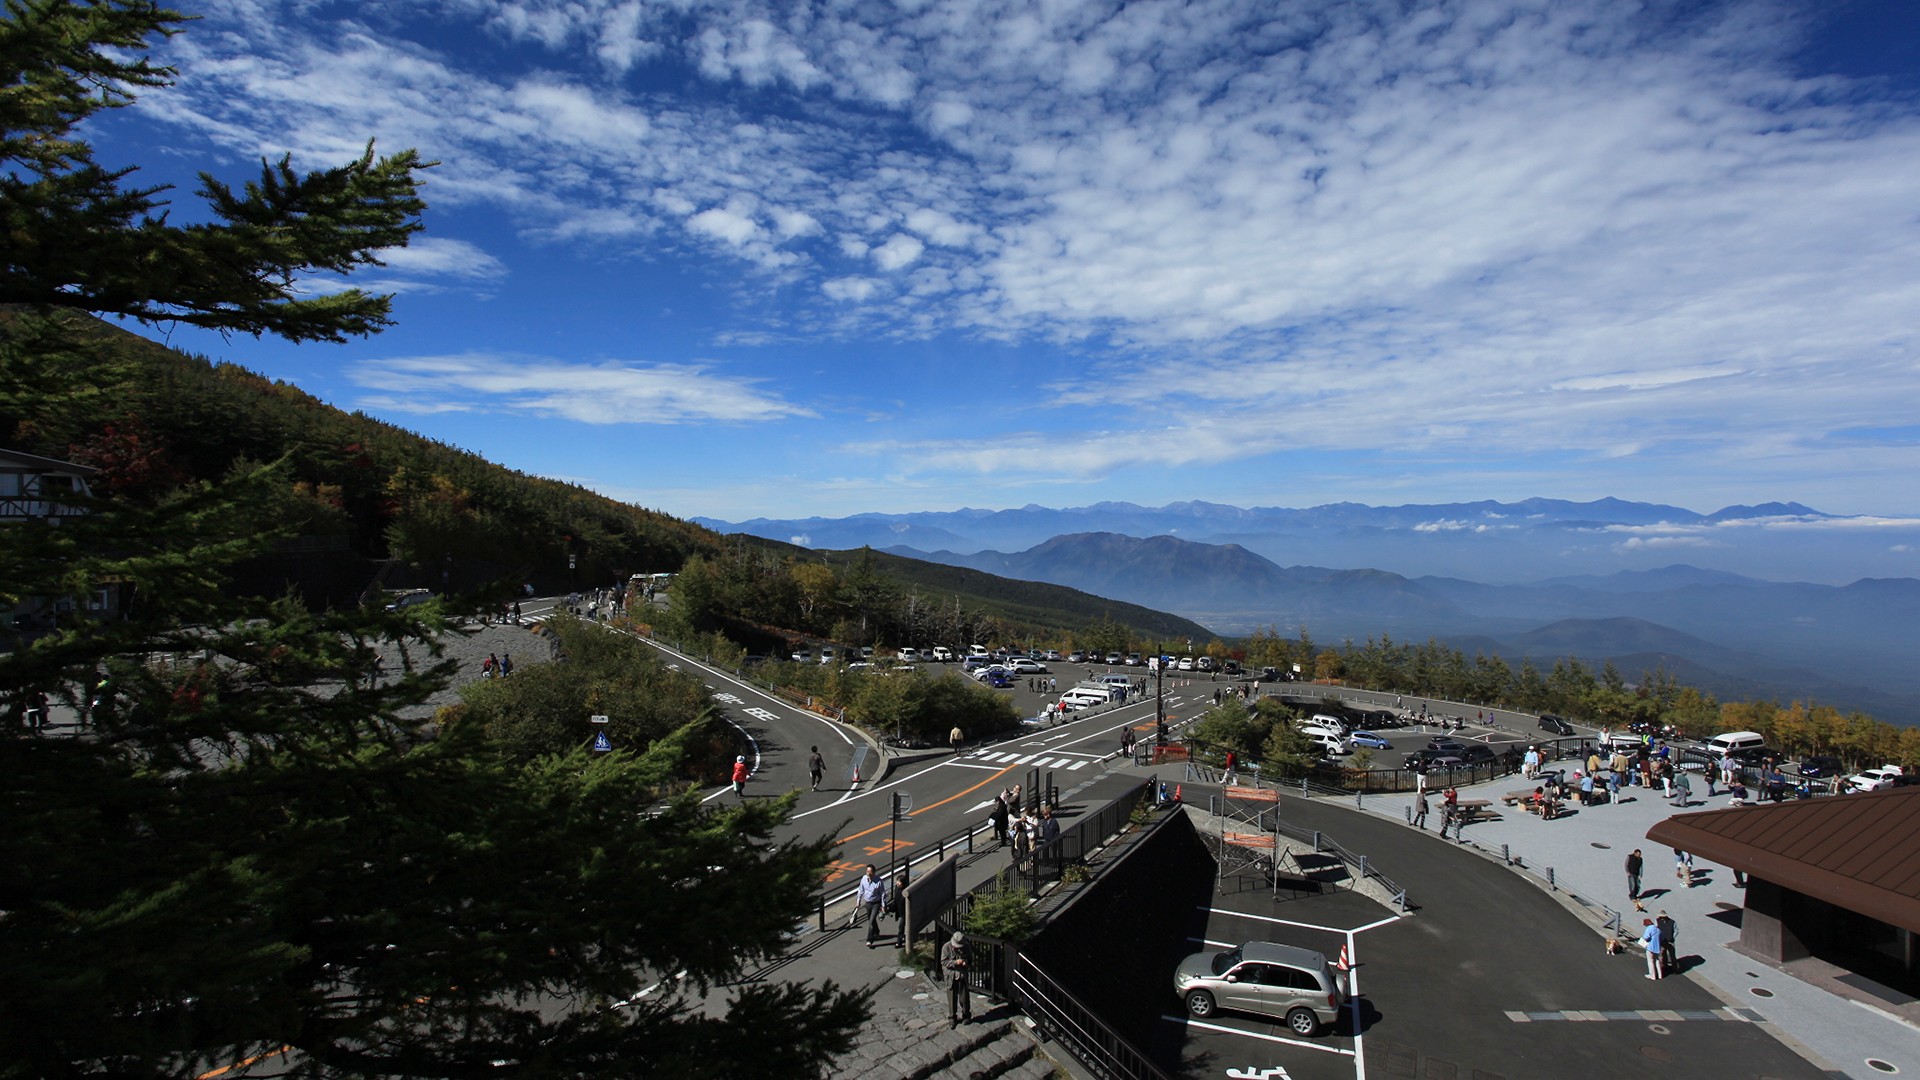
pixel 1248 834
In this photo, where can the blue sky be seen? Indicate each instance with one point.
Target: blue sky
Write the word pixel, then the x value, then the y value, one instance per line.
pixel 744 259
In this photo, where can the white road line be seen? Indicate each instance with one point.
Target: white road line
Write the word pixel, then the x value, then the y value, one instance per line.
pixel 1278 922
pixel 971 765
pixel 1203 1025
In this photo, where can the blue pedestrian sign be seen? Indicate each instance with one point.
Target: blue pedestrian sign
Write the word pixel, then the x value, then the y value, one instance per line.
pixel 601 744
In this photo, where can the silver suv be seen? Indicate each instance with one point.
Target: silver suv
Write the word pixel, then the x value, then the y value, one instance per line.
pixel 1265 978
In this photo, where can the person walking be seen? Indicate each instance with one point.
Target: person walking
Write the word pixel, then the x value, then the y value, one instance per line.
pixel 1229 771
pixel 1650 941
pixel 953 958
pixel 1420 811
pixel 873 899
pixel 816 766
pixel 955 738
pixel 1634 865
pixel 1683 867
pixel 740 776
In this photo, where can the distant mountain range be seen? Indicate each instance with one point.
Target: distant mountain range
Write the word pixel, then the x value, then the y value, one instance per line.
pixel 1731 633
pixel 1505 543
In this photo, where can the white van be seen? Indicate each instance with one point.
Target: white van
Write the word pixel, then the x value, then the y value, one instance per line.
pixel 1084 697
pixel 1734 742
pixel 1329 745
pixel 1323 725
pixel 1121 682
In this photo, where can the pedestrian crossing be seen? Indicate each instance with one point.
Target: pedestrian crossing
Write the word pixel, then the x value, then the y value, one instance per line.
pixel 1046 759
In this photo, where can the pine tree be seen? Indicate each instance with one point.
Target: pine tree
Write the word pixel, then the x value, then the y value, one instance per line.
pixel 245 848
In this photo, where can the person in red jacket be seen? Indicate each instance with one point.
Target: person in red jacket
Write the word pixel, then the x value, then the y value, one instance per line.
pixel 740 776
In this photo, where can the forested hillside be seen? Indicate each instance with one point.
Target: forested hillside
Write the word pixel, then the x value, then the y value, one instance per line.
pixel 358 484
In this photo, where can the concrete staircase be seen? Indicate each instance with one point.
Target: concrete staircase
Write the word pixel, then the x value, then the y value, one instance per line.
pixel 915 1043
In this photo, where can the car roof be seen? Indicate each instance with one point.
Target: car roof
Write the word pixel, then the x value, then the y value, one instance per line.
pixel 1276 953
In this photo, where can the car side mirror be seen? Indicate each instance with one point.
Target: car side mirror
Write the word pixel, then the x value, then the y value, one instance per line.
pixel 1232 978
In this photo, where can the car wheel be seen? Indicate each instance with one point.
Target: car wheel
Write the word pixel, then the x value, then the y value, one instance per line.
pixel 1200 1004
pixel 1302 1021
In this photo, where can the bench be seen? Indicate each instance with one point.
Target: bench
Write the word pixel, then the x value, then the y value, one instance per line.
pixel 1513 797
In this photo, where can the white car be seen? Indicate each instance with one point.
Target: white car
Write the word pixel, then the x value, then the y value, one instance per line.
pixel 909 654
pixel 942 654
pixel 1023 666
pixel 1885 776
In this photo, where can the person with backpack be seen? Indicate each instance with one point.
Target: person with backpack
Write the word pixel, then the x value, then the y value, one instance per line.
pixel 1668 959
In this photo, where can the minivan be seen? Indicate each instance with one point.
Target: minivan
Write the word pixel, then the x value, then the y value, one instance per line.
pixel 1084 697
pixel 1736 743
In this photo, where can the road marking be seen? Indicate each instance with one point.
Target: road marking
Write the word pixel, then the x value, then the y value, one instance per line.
pixel 761 714
pixel 971 765
pixel 1279 922
pixel 1743 1016
pixel 1203 1025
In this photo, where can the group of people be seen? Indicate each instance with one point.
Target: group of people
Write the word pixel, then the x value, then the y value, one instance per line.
pixel 496 665
pixel 1018 827
pixel 1656 938
pixel 876 897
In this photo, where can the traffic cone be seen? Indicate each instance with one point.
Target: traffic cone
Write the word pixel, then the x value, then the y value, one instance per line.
pixel 1344 964
pixel 1176 793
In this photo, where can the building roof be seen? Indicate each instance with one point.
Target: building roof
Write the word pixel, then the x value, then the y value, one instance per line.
pixel 1860 852
pixel 19 459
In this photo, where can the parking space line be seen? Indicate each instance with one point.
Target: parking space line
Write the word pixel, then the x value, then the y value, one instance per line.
pixel 1322 1047
pixel 1280 922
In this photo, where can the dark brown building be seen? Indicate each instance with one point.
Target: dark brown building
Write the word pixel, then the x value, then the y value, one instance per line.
pixel 1833 878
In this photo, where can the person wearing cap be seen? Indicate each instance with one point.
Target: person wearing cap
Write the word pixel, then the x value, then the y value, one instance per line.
pixel 953 958
pixel 740 776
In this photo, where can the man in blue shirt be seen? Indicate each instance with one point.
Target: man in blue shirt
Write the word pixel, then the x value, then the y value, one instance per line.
pixel 873 897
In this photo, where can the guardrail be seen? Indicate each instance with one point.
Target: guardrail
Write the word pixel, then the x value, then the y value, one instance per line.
pixel 1058 1013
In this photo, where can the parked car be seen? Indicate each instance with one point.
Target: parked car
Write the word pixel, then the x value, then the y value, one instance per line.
pixel 1185 664
pixel 1821 766
pixel 1133 659
pixel 1443 745
pixel 1076 657
pixel 1264 978
pixel 1025 666
pixel 1113 658
pixel 942 654
pixel 1877 779
pixel 1431 760
pixel 1555 724
pixel 997 678
pixel 1052 654
pixel 1203 663
pixel 1369 740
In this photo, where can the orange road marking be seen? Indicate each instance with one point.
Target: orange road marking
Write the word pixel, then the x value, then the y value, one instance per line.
pixel 222 1070
pixel 911 813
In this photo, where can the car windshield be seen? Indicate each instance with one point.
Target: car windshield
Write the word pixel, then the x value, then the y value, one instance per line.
pixel 1225 960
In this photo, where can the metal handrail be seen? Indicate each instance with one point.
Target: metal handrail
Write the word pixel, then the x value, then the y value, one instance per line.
pixel 1061 1015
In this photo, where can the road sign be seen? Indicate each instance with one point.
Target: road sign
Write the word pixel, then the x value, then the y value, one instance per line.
pixel 601 744
pixel 597 718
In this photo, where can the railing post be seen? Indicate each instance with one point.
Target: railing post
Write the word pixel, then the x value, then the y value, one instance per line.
pixel 1550 882
pixel 1506 859
pixel 1316 841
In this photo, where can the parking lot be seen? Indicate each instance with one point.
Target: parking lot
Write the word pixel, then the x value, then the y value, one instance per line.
pixel 1488 977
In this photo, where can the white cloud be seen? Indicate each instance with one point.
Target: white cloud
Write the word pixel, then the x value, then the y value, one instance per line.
pixel 443 256
pixel 899 250
pixel 606 393
pixel 851 289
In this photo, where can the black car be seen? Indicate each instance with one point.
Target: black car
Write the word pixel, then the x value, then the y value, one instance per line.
pixel 1443 745
pixel 1555 724
pixel 1821 766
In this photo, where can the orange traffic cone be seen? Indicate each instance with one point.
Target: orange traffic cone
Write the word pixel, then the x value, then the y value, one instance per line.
pixel 1344 964
pixel 1176 793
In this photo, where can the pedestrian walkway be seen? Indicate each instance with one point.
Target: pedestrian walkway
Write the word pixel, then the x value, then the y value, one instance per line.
pixel 1583 853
